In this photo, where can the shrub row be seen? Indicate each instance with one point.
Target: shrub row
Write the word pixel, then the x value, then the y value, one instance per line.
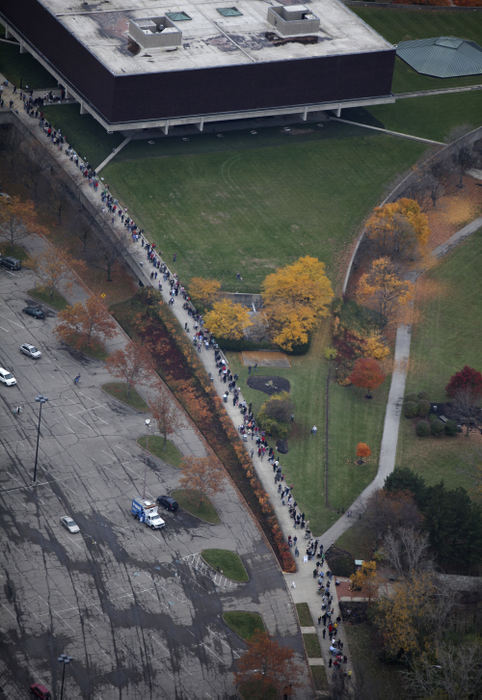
pixel 180 367
pixel 418 406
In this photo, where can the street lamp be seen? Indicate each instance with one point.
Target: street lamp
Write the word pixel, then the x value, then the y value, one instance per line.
pixel 147 423
pixel 63 659
pixel 41 400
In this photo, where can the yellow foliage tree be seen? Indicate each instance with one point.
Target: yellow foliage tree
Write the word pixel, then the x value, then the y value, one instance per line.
pixel 406 619
pixel 374 346
pixel 227 320
pixel 398 228
pixel 364 579
pixel 204 291
pixel 295 297
pixel 382 285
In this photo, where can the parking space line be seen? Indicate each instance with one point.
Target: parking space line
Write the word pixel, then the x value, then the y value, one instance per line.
pixel 9 612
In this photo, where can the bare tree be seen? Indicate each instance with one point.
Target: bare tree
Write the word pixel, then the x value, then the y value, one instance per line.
pixel 165 412
pixel 455 674
pixel 406 549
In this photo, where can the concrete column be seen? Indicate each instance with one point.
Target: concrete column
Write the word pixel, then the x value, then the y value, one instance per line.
pixel 304 116
pixel 200 126
pixel 82 108
pixel 22 48
pixel 338 112
pixel 165 128
pixel 7 33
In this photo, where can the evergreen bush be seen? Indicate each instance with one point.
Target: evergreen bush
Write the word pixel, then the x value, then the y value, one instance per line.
pixel 423 428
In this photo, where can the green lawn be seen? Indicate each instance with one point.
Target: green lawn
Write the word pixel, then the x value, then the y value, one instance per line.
pixel 312 645
pixel 197 504
pixel 319 677
pixel 432 117
pixel 352 419
pixel 244 623
pixel 55 300
pixel 17 67
pixel 119 391
pixel 167 451
pixel 304 615
pixel 397 24
pixel 86 135
pixel 447 337
pixel 357 540
pixel 227 562
pixel 382 680
pixel 251 204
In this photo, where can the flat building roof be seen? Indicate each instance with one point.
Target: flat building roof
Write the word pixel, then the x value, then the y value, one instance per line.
pixel 214 33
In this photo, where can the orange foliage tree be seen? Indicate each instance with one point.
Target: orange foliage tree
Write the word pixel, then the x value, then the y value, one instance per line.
pixel 18 219
pixel 362 452
pixel 267 665
pixel 382 284
pixel 227 320
pixel 55 266
pixel 295 297
pixel 202 474
pixel 132 364
pixel 82 324
pixel 398 229
pixel 165 412
pixel 204 291
pixel 367 374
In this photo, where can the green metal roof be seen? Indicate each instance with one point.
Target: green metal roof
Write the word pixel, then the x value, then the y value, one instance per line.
pixel 442 57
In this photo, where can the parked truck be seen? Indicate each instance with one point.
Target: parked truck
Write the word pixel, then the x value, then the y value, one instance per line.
pixel 146 512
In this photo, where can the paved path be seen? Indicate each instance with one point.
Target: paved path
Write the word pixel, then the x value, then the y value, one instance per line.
pixel 411 137
pixel 304 588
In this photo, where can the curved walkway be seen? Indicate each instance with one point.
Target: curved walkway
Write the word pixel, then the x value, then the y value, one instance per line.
pixel 388 450
pixel 302 584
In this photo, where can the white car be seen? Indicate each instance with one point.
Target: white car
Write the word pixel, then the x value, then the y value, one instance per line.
pixel 30 350
pixel 70 524
pixel 7 377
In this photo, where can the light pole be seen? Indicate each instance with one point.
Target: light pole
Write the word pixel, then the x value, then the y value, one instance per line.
pixel 63 659
pixel 147 423
pixel 41 400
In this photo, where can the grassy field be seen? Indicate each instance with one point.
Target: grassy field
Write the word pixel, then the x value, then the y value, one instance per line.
pixel 86 135
pixel 259 202
pixel 400 24
pixel 446 336
pixel 351 419
pixel 197 504
pixel 432 117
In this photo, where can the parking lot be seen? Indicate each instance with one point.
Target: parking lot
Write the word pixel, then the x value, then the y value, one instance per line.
pixel 136 609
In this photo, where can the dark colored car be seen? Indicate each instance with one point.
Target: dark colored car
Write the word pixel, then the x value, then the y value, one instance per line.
pixel 34 311
pixel 37 690
pixel 11 263
pixel 168 503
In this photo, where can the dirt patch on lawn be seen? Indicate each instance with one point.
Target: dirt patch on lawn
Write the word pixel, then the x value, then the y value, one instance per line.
pixel 268 385
pixel 265 358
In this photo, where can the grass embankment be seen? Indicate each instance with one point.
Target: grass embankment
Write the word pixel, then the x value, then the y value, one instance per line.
pixel 197 504
pixel 403 24
pixel 165 450
pixel 119 390
pixel 312 645
pixel 17 67
pixel 86 135
pixel 446 336
pixel 252 203
pixel 245 624
pixel 226 562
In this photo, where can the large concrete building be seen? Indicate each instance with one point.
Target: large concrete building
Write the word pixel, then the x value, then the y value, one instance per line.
pixel 136 64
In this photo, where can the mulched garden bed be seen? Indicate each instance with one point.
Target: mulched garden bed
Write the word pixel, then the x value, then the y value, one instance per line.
pixel 269 385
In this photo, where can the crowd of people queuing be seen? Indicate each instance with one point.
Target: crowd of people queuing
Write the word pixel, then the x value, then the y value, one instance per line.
pixel 202 339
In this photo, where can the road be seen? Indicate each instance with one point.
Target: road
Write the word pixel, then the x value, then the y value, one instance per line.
pixel 137 610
